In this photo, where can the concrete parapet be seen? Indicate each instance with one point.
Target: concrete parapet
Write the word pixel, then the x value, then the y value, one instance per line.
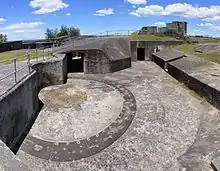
pixel 20 105
pixel 200 75
pixel 164 56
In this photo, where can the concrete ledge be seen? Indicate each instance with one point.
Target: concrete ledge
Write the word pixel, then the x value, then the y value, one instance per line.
pixel 199 75
pixel 8 161
pixel 166 55
pixel 216 164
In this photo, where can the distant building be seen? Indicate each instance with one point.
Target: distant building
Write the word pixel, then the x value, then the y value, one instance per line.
pixel 10 45
pixel 178 27
pixel 162 29
pixel 148 30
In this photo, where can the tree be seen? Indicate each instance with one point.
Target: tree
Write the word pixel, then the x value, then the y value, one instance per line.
pixel 3 38
pixel 74 31
pixel 50 33
pixel 64 31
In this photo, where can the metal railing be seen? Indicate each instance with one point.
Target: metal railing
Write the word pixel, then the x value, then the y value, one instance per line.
pixel 14 70
pixel 68 42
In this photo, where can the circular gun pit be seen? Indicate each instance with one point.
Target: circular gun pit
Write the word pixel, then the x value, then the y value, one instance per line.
pixel 80 119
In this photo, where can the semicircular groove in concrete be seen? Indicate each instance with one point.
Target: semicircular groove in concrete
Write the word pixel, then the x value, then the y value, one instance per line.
pixel 67 150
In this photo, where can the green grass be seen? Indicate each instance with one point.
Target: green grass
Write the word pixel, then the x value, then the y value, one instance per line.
pixel 186 48
pixel 150 37
pixel 214 57
pixel 205 39
pixel 9 56
pixel 190 49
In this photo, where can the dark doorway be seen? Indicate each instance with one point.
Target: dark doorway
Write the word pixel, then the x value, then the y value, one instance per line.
pixel 140 54
pixel 75 62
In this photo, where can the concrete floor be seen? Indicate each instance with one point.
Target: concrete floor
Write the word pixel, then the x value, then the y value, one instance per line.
pixel 171 127
pixel 80 110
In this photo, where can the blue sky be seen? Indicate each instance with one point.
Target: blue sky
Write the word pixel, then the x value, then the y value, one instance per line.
pixel 28 19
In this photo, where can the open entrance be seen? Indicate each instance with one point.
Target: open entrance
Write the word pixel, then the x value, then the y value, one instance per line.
pixel 75 62
pixel 140 54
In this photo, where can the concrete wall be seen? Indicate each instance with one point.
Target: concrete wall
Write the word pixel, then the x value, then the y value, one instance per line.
pixel 97 62
pixel 20 106
pixel 211 94
pixel 149 47
pixel 53 71
pixel 194 72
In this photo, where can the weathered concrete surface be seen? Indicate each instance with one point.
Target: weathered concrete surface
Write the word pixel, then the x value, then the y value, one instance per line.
pixel 114 48
pixel 208 47
pixel 102 55
pixel 18 108
pixel 20 105
pixel 149 47
pixel 216 163
pixel 8 161
pixel 200 75
pixel 169 54
pixel 166 133
pixel 80 110
pixel 166 55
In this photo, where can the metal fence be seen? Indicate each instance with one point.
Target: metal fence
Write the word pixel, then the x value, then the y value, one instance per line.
pixel 15 69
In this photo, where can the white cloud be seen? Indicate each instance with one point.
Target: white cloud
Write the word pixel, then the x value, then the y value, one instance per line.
pixel 28 25
pixel 135 14
pixel 24 30
pixel 211 13
pixel 27 31
pixel 210 26
pixel 68 14
pixel 26 34
pixel 160 24
pixel 137 2
pixel 104 12
pixel 133 6
pixel 47 6
pixel 2 20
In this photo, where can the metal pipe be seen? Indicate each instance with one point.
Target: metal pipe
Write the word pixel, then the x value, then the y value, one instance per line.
pixel 36 55
pixel 43 54
pixel 15 71
pixel 29 63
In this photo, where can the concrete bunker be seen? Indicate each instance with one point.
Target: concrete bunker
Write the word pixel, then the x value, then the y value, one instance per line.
pixel 75 62
pixel 138 48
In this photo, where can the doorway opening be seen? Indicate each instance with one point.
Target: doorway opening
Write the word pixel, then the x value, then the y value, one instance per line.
pixel 140 54
pixel 75 62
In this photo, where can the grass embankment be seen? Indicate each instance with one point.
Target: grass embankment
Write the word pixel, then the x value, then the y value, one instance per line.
pixel 190 49
pixel 20 55
pixel 205 39
pixel 150 37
